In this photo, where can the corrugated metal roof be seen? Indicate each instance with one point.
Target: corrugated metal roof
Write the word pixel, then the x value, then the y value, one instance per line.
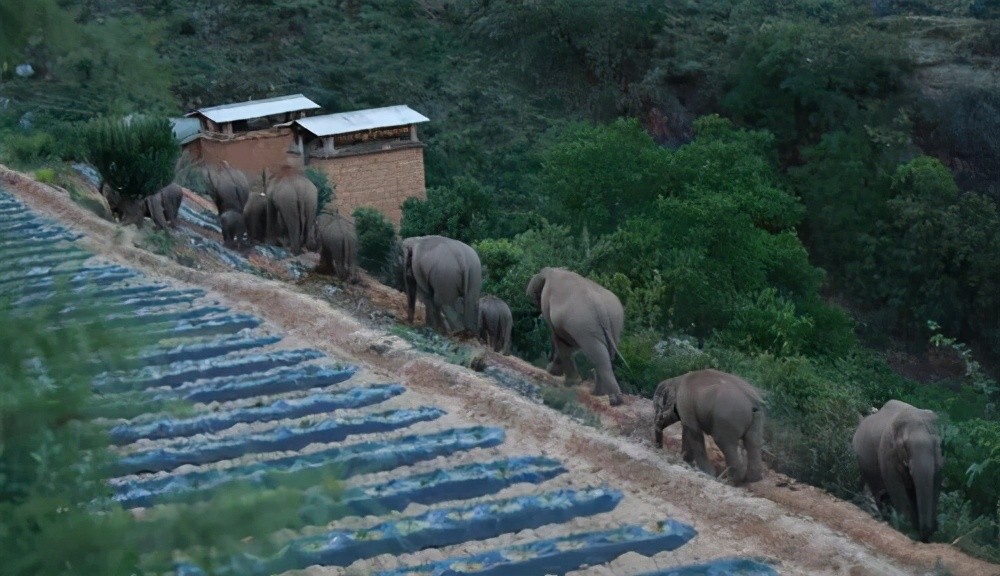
pixel 256 108
pixel 344 122
pixel 185 129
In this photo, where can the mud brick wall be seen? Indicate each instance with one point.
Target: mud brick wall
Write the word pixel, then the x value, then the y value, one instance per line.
pixel 251 153
pixel 382 179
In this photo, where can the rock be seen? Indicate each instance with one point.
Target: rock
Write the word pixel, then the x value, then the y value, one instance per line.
pixel 24 70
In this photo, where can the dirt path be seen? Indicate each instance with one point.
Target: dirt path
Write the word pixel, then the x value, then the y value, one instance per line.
pixel 802 529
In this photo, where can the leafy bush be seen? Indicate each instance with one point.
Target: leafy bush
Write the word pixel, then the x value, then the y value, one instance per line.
pixel 326 190
pixel 377 245
pixel 464 210
pixel 597 176
pixel 134 157
pixel 31 149
pixel 509 265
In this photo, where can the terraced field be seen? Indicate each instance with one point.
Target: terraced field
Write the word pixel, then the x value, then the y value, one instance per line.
pixel 426 492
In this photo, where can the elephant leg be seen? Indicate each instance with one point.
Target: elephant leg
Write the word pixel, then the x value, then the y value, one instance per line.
pixel 434 316
pixel 660 422
pixel 734 460
pixel 325 261
pixel 294 237
pixel 564 357
pixel 896 486
pixel 605 383
pixel 693 449
pixel 506 339
pixel 753 441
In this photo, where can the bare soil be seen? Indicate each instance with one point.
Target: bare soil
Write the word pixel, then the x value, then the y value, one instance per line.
pixel 801 528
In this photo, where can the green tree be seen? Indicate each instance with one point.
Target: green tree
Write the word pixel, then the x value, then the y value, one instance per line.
pixel 801 79
pixel 135 159
pixel 596 176
pixel 325 190
pixel 377 246
pixel 464 210
pixel 929 257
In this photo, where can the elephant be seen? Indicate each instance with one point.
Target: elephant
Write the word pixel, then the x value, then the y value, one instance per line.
pixel 227 186
pixel 719 404
pixel 233 228
pixel 164 206
pixel 899 454
pixel 291 209
pixel 495 323
pixel 581 315
pixel 443 271
pixel 255 216
pixel 337 241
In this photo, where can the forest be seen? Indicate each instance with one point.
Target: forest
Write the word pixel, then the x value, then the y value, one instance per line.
pixel 803 193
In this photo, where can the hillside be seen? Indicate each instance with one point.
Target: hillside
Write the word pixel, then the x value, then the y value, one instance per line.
pixel 802 193
pixel 796 528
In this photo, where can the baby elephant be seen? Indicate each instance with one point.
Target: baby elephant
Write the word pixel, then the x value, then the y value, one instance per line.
pixel 719 404
pixel 338 246
pixel 495 322
pixel 899 454
pixel 233 228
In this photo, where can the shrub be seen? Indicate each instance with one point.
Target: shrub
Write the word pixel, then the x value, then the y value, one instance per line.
pixel 45 175
pixel 135 158
pixel 326 190
pixel 30 149
pixel 464 210
pixel 377 245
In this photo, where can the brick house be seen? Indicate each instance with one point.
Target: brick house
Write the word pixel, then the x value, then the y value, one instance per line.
pixel 249 135
pixel 372 156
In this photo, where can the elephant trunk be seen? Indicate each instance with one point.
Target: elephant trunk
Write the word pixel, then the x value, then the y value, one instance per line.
pixel 925 483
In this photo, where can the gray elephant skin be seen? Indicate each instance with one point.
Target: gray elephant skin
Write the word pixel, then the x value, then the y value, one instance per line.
pixel 227 186
pixel 255 216
pixel 495 323
pixel 581 315
pixel 233 228
pixel 447 276
pixel 164 206
pixel 719 404
pixel 291 209
pixel 337 241
pixel 899 454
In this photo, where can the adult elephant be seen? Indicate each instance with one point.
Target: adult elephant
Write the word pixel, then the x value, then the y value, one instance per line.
pixel 719 404
pixel 899 454
pixel 447 276
pixel 227 186
pixel 291 209
pixel 255 216
pixel 337 241
pixel 164 206
pixel 581 315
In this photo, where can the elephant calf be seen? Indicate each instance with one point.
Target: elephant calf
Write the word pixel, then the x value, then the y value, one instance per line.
pixel 899 454
pixel 233 228
pixel 338 246
pixel 164 206
pixel 722 405
pixel 495 323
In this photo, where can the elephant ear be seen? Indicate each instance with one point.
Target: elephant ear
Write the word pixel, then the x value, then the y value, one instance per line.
pixel 534 290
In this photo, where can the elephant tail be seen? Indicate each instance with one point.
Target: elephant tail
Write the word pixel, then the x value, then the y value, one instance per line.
pixel 613 348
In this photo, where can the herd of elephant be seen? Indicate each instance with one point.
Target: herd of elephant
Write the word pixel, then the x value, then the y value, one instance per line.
pixel 898 448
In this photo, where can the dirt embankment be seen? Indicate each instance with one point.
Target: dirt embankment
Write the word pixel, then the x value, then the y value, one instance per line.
pixel 803 529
